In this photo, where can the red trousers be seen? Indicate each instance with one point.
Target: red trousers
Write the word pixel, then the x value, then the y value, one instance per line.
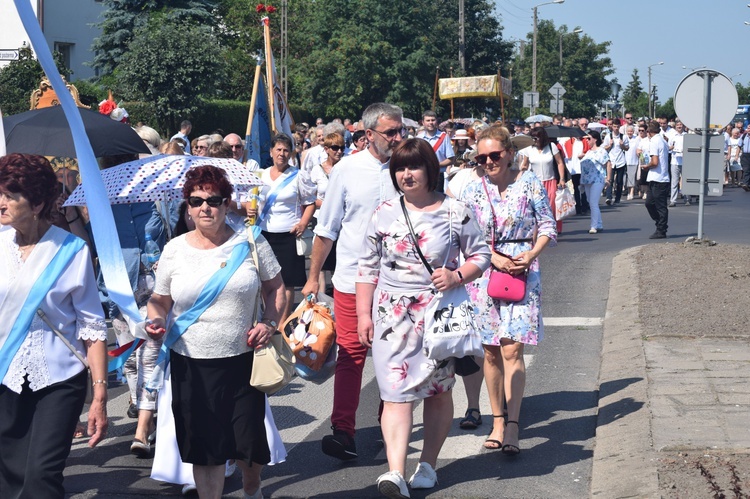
pixel 347 382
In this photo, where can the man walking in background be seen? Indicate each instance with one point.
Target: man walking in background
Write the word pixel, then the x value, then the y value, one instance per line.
pixel 658 181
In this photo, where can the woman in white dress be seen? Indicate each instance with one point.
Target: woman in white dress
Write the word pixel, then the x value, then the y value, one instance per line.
pixel 205 286
pixel 393 290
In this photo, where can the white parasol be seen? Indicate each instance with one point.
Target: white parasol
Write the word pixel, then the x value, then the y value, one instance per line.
pixel 161 178
pixel 596 126
pixel 538 118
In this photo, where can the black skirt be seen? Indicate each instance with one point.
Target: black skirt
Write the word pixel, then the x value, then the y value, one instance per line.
pixel 284 246
pixel 217 414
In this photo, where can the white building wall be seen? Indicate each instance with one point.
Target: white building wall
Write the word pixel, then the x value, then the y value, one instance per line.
pixel 67 23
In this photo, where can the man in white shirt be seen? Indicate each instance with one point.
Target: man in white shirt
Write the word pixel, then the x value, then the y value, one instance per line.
pixel 616 144
pixel 185 128
pixel 440 142
pixel 631 160
pixel 658 181
pixel 358 184
pixel 675 147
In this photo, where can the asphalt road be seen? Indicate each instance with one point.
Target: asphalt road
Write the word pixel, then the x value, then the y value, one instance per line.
pixel 558 418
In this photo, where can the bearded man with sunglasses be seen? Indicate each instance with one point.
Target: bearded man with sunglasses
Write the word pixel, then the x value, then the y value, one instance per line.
pixel 358 184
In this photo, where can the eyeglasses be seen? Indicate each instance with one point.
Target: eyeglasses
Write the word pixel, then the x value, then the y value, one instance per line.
pixel 200 148
pixel 494 156
pixel 641 130
pixel 628 117
pixel 236 146
pixel 213 201
pixel 336 148
pixel 391 134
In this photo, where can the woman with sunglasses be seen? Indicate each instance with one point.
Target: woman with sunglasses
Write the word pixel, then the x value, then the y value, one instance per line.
pixel 333 145
pixel 217 414
pixel 515 216
pixel 596 172
pixel 545 160
pixel 286 206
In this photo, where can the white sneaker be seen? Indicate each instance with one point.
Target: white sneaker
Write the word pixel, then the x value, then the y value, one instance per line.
pixel 188 488
pixel 258 494
pixel 229 468
pixel 630 197
pixel 424 477
pixel 393 485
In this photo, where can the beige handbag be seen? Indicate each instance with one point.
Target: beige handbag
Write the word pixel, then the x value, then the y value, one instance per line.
pixel 305 243
pixel 273 364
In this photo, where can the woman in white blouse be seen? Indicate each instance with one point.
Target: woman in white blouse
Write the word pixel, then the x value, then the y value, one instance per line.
pixel 217 414
pixel 47 279
pixel 545 161
pixel 333 145
pixel 286 206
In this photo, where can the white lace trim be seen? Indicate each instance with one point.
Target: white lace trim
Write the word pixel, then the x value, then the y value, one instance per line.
pixel 30 361
pixel 92 330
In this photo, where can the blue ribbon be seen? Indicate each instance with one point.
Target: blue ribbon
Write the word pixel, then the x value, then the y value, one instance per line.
pixel 102 220
pixel 270 200
pixel 38 292
pixel 211 290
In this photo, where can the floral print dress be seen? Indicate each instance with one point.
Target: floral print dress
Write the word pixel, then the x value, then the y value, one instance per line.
pixel 525 213
pixel 404 289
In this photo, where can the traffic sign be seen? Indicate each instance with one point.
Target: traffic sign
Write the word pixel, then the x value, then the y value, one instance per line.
pixel 692 165
pixel 530 99
pixel 8 54
pixel 690 93
pixel 557 90
pixel 556 106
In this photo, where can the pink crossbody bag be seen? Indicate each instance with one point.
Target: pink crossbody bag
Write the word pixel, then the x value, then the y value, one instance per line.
pixel 502 285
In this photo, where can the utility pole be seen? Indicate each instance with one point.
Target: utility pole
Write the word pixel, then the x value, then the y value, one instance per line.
pixel 533 51
pixel 650 90
pixel 461 38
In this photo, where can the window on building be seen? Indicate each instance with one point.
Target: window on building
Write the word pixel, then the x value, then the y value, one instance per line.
pixel 65 49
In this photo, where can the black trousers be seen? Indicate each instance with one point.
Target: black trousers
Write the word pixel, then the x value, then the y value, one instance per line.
pixel 619 177
pixel 656 204
pixel 582 204
pixel 745 162
pixel 36 433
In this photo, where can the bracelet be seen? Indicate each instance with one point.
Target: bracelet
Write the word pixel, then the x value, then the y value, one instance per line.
pixel 71 221
pixel 99 382
pixel 460 276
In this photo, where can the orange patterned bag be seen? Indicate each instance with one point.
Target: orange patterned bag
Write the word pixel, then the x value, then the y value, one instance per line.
pixel 311 332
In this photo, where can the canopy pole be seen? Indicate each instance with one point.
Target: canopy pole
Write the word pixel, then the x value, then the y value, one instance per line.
pixel 435 91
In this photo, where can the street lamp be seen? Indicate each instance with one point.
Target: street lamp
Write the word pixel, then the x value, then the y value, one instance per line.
pixel 650 99
pixel 533 52
pixel 734 76
pixel 575 32
pixel 694 69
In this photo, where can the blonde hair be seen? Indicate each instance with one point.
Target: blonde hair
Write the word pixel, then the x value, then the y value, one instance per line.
pixel 498 133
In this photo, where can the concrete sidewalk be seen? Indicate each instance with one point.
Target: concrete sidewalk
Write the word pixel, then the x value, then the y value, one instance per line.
pixel 660 394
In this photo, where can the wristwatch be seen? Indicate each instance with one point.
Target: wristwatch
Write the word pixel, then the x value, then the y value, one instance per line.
pixel 270 322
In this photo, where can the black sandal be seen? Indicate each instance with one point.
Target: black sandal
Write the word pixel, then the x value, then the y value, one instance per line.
pixel 494 444
pixel 510 449
pixel 469 422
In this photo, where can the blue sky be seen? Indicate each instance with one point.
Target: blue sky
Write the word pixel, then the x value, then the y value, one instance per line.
pixel 690 33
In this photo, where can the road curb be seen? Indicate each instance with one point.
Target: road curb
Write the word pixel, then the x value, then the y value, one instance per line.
pixel 624 459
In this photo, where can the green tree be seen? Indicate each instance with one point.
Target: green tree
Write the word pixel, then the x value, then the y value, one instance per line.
pixel 634 98
pixel 20 78
pixel 124 17
pixel 666 109
pixel 156 69
pixel 585 69
pixel 743 93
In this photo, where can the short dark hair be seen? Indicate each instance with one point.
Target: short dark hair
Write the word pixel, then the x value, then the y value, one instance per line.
pixel 185 124
pixel 540 134
pixel 429 113
pixel 31 176
pixel 284 139
pixel 415 152
pixel 207 177
pixel 358 135
pixel 653 127
pixel 596 135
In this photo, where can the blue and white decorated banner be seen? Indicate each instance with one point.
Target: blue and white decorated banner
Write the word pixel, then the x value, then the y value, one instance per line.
pixel 258 143
pixel 106 240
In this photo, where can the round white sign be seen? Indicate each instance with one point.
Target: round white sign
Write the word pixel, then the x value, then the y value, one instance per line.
pixel 688 99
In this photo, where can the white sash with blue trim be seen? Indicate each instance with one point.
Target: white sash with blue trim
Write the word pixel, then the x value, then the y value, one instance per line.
pixel 37 276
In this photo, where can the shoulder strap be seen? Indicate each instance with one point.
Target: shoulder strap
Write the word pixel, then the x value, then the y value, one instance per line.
pixel 414 236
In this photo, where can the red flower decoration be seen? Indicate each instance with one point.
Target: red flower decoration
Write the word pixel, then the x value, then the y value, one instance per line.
pixel 106 107
pixel 260 8
pixel 270 9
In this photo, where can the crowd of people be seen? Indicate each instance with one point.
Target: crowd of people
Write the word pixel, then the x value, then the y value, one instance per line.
pixel 399 215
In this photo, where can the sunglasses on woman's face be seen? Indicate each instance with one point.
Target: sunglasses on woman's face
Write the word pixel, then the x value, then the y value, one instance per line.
pixel 494 156
pixel 213 201
pixel 336 148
